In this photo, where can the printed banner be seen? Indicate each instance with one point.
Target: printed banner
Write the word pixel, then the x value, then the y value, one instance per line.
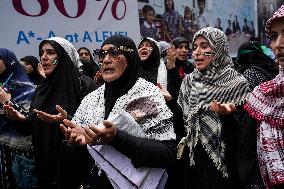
pixel 237 18
pixel 25 23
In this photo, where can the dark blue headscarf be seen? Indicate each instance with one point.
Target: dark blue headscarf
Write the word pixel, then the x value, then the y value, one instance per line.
pixel 14 79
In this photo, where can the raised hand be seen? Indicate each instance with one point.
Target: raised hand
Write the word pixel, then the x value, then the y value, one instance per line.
pixel 52 118
pixel 100 135
pixel 12 113
pixel 4 96
pixel 171 57
pixel 223 109
pixel 165 93
pixel 73 133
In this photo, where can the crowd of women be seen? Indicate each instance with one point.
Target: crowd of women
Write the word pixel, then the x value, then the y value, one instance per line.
pixel 206 124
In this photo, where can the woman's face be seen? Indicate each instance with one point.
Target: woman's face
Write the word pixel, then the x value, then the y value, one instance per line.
pixel 182 51
pixel 48 56
pixel 145 50
pixel 200 46
pixel 169 4
pixel 28 68
pixel 2 66
pixel 113 65
pixel 277 40
pixel 83 53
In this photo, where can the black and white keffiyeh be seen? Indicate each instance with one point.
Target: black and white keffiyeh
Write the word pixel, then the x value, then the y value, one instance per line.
pixel 145 97
pixel 219 81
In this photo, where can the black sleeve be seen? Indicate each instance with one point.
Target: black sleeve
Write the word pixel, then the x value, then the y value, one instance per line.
pixel 24 128
pixel 178 121
pixel 174 82
pixel 146 152
pixel 241 147
pixel 247 158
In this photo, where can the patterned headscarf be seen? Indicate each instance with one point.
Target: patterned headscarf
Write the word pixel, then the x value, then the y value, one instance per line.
pixel 14 79
pixel 219 81
pixel 266 101
pixel 278 14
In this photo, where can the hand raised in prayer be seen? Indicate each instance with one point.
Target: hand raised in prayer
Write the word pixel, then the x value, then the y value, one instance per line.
pixel 165 93
pixel 98 78
pixel 223 109
pixel 52 118
pixel 4 96
pixel 100 135
pixel 171 57
pixel 12 113
pixel 73 133
pixel 40 71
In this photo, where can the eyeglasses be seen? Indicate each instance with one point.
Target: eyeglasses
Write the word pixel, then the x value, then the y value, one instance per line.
pixel 113 52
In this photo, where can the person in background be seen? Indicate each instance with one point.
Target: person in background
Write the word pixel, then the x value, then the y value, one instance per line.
pixel 33 69
pixel 152 67
pixel 85 53
pixel 124 91
pixel 209 147
pixel 61 91
pixel 236 25
pixel 188 25
pixel 229 30
pixel 164 46
pixel 88 68
pixel 203 17
pixel 148 28
pixel 171 21
pixel 15 87
pixel 177 65
pixel 254 64
pixel 218 24
pixel 251 28
pixel 245 26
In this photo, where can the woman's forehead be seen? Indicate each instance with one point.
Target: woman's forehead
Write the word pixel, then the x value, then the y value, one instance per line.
pixel 107 46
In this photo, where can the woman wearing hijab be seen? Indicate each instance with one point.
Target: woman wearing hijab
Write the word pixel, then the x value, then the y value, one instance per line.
pixel 124 91
pixel 254 64
pixel 16 87
pixel 31 65
pixel 152 68
pixel 177 65
pixel 62 87
pixel 265 105
pixel 89 66
pixel 209 144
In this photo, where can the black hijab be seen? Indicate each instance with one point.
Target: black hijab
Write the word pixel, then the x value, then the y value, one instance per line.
pixel 176 42
pixel 120 86
pixel 251 55
pixel 88 68
pixel 34 76
pixel 95 66
pixel 60 87
pixel 149 67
